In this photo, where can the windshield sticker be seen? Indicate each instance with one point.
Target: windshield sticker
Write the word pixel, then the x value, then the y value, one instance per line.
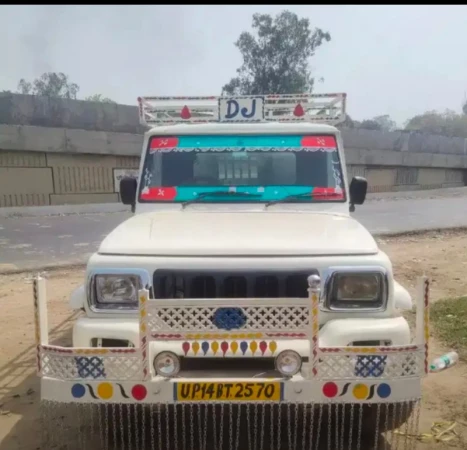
pixel 247 143
pixel 159 193
pixel 262 193
pixel 328 193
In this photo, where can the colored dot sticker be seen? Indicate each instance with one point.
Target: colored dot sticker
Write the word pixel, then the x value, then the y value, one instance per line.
pixel 139 392
pixel 78 390
pixel 383 390
pixel 105 391
pixel 330 389
pixel 360 391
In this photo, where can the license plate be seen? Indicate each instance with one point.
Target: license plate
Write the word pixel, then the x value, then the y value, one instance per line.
pixel 205 392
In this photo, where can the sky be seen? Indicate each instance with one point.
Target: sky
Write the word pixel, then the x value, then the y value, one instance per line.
pixel 400 60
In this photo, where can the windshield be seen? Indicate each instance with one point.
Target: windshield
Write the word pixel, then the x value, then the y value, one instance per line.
pixel 272 167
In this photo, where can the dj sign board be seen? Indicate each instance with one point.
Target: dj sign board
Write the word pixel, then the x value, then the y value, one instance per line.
pixel 241 109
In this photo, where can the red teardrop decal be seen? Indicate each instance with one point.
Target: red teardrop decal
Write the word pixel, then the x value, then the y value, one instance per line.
pixel 298 111
pixel 186 347
pixel 224 347
pixel 185 114
pixel 263 346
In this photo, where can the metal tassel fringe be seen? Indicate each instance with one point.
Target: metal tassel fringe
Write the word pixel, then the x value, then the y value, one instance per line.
pixel 230 426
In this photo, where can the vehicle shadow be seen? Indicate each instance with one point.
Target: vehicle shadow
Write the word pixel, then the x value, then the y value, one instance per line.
pixel 20 401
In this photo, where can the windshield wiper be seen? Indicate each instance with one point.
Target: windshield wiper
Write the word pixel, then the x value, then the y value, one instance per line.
pixel 218 194
pixel 310 195
pixel 289 197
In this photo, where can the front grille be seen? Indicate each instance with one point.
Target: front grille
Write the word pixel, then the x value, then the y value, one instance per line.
pixel 230 284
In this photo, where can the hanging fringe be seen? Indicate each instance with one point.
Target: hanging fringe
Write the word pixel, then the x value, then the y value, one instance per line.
pixel 230 426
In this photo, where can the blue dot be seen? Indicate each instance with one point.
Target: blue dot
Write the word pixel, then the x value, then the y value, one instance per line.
pixel 78 391
pixel 384 390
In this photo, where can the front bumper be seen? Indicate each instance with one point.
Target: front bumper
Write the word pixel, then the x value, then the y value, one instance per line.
pixel 334 372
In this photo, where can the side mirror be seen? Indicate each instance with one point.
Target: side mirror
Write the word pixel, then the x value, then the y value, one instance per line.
pixel 357 192
pixel 128 187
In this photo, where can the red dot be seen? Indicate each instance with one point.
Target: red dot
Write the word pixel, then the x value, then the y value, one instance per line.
pixel 330 389
pixel 139 392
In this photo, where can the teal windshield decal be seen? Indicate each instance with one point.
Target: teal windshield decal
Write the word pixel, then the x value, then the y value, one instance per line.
pixel 247 142
pixel 185 193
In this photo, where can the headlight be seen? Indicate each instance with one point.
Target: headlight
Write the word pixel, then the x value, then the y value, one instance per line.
pixel 167 364
pixel 288 363
pixel 354 290
pixel 116 290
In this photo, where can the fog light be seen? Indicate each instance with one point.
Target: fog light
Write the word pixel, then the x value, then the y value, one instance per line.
pixel 167 364
pixel 288 363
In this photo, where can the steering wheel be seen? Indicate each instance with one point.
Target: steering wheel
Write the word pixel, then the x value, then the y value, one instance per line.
pixel 202 180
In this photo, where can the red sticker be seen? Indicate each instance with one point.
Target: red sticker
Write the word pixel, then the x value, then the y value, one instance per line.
pixel 330 389
pixel 139 392
pixel 159 193
pixel 327 193
pixel 161 143
pixel 326 143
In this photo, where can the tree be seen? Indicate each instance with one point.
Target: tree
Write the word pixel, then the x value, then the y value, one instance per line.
pixel 50 84
pixel 380 123
pixel 348 123
pixel 448 123
pixel 369 124
pixel 385 123
pixel 276 59
pixel 98 98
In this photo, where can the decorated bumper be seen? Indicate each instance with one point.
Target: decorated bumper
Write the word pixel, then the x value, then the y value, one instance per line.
pixel 199 329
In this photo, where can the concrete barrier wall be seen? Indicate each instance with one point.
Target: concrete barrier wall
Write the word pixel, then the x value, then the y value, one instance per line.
pixel 55 166
pixel 17 109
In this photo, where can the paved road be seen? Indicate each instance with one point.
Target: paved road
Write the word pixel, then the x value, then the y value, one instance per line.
pixel 30 242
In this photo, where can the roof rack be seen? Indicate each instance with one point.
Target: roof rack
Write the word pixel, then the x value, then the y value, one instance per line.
pixel 321 108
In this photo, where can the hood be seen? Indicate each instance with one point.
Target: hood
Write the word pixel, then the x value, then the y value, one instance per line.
pixel 186 233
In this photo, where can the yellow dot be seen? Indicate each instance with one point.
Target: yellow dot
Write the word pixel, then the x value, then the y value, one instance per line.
pixel 105 391
pixel 360 391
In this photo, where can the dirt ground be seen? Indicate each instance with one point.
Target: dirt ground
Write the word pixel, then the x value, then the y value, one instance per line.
pixel 443 257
